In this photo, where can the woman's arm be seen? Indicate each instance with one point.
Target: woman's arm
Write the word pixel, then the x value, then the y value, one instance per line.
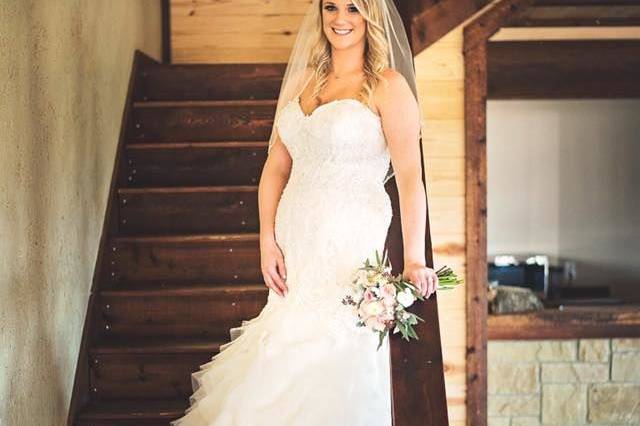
pixel 401 123
pixel 273 179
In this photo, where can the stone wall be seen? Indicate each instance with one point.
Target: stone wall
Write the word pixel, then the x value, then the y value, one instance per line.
pixel 564 382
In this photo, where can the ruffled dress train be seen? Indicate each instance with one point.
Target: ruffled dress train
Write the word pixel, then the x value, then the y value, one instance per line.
pixel 302 361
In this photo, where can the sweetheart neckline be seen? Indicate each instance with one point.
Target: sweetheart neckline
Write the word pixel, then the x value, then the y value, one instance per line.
pixel 297 102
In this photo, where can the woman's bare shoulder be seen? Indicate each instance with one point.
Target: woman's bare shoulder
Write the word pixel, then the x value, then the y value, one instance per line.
pixel 393 89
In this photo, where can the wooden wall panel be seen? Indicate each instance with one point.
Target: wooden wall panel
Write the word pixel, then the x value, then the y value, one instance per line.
pixel 263 31
pixel 238 31
pixel 440 74
pixel 566 33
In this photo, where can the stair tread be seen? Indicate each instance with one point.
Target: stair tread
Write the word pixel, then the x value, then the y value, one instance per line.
pixel 243 236
pixel 133 409
pixel 142 289
pixel 213 66
pixel 187 189
pixel 187 144
pixel 156 344
pixel 205 103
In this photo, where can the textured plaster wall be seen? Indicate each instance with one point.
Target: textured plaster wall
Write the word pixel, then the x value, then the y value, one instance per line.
pixel 64 69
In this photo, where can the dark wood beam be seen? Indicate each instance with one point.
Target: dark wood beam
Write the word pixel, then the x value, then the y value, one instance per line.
pixel 166 31
pixel 476 35
pixel 587 3
pixel 559 69
pixel 572 322
pixel 580 14
pixel 417 368
pixel 427 21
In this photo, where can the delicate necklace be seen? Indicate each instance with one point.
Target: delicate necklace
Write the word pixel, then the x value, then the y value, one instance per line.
pixel 339 77
pixel 319 100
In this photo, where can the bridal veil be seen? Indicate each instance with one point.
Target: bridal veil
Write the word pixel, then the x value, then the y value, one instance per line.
pixel 298 71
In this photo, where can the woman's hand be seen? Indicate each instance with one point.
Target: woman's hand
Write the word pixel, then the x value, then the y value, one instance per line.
pixel 424 278
pixel 272 261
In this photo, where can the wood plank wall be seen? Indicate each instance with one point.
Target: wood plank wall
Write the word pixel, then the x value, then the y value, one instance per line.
pixel 219 31
pixel 214 31
pixel 440 74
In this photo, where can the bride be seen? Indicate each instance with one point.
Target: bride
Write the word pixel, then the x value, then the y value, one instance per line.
pixel 347 108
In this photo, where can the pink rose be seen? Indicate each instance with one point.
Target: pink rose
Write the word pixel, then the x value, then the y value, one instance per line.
pixel 374 308
pixel 388 291
pixel 387 316
pixel 368 295
pixel 374 323
pixel 389 303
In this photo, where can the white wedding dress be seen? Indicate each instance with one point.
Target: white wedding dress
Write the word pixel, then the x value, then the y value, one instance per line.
pixel 302 361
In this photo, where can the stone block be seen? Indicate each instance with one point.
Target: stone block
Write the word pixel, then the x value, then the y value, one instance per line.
pixel 625 367
pixel 512 350
pixel 513 378
pixel 498 421
pixel 625 345
pixel 532 350
pixel 558 350
pixel 593 350
pixel 564 404
pixel 525 421
pixel 513 405
pixel 614 403
pixel 571 372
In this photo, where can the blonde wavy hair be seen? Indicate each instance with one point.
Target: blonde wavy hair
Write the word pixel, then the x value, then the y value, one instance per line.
pixel 376 50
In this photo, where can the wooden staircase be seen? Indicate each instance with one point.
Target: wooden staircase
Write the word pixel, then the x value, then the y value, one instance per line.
pixel 179 262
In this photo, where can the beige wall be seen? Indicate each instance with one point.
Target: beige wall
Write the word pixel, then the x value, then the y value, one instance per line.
pixel 563 180
pixel 64 71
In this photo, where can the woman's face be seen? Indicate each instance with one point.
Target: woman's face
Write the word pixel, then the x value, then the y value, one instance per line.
pixel 342 15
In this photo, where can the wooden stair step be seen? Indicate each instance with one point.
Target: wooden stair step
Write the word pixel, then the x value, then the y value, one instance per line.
pixel 213 238
pixel 150 366
pixel 205 103
pixel 209 81
pixel 137 412
pixel 195 163
pixel 155 345
pixel 175 121
pixel 201 209
pixel 170 289
pixel 196 144
pixel 188 189
pixel 160 284
pixel 231 258
pixel 204 311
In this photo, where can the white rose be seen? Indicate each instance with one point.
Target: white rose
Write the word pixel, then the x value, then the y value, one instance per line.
pixel 374 308
pixel 406 298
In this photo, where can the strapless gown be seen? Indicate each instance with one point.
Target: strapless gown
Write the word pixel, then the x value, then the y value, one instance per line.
pixel 302 361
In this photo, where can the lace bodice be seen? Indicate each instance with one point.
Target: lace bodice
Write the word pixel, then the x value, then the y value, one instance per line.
pixel 342 133
pixel 334 211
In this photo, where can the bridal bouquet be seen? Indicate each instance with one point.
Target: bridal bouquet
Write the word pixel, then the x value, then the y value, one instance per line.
pixel 380 300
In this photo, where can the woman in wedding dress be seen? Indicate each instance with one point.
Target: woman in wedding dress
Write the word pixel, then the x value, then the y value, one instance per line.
pixel 347 108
